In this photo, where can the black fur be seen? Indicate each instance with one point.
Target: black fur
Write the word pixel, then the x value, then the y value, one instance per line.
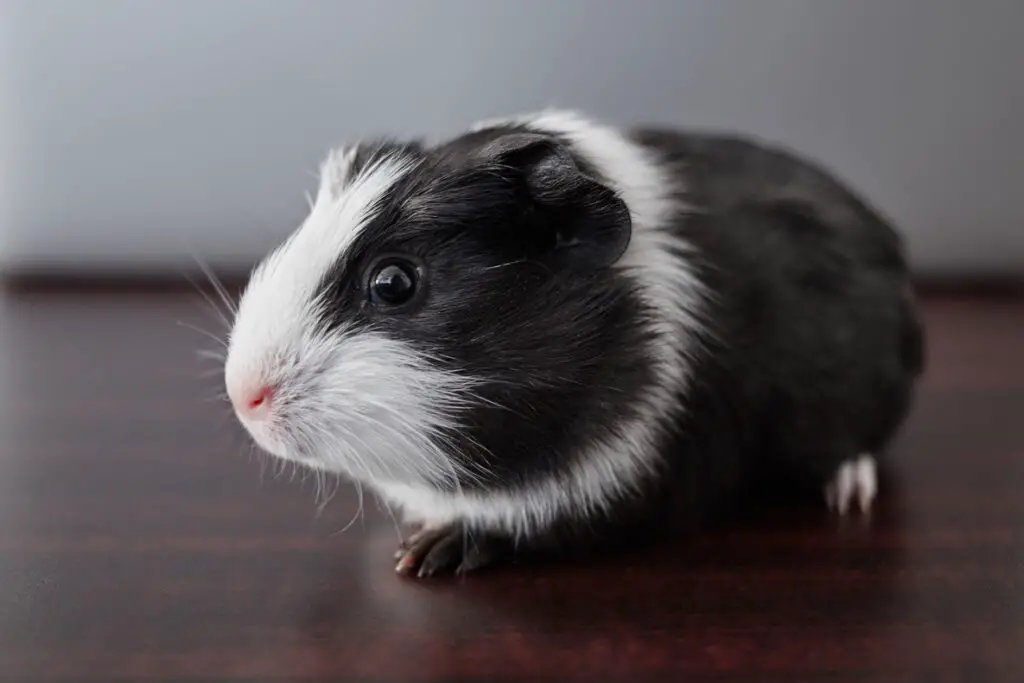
pixel 808 357
pixel 544 321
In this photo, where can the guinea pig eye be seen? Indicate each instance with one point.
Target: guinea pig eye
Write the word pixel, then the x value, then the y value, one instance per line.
pixel 393 282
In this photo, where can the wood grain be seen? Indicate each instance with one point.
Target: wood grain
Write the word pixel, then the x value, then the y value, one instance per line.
pixel 141 540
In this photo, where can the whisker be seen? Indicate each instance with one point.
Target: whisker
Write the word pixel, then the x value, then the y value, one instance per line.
pixel 209 301
pixel 357 461
pixel 347 433
pixel 211 354
pixel 359 512
pixel 218 286
pixel 506 265
pixel 263 462
pixel 443 470
pixel 394 520
pixel 205 333
pixel 325 493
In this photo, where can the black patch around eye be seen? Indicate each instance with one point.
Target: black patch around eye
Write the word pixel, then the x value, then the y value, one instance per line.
pixel 394 282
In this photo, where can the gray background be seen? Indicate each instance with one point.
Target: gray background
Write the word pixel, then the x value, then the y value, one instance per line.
pixel 140 133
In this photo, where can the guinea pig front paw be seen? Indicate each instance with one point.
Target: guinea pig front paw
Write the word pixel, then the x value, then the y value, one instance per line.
pixel 449 548
pixel 854 479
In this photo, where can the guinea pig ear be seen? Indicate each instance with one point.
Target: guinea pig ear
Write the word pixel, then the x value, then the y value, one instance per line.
pixel 583 221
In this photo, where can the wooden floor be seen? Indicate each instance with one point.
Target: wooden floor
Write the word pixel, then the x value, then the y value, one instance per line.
pixel 140 540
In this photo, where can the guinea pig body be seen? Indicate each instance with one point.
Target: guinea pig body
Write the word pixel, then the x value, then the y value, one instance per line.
pixel 547 334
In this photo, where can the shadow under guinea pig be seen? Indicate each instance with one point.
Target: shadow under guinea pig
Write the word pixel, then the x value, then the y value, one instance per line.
pixel 778 569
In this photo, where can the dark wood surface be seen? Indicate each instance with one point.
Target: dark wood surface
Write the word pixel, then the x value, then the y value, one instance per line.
pixel 141 540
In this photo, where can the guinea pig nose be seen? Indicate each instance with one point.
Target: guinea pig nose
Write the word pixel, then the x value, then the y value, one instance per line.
pixel 256 403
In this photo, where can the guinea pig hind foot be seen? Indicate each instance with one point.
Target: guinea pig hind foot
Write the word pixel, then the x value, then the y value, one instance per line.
pixel 854 480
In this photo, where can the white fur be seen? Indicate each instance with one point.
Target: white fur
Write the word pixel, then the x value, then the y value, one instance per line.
pixel 336 171
pixel 362 404
pixel 597 477
pixel 275 311
pixel 856 478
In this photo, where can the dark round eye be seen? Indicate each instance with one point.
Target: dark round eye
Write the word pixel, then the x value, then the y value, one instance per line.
pixel 393 283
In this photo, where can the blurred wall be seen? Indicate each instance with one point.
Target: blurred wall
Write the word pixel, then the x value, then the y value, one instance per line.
pixel 139 132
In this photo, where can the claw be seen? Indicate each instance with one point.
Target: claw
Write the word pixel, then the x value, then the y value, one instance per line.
pixel 435 550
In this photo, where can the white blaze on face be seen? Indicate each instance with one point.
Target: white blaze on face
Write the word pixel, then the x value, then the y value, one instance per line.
pixel 350 401
pixel 281 297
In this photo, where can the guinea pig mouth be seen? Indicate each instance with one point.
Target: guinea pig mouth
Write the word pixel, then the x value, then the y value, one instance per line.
pixel 265 438
pixel 284 441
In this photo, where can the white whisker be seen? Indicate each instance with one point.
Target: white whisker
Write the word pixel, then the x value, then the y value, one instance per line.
pixel 221 314
pixel 394 520
pixel 206 333
pixel 506 265
pixel 212 354
pixel 218 287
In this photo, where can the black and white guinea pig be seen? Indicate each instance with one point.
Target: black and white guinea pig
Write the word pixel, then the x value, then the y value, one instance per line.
pixel 549 334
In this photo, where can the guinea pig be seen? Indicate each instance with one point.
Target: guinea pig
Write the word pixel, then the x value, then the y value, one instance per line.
pixel 551 334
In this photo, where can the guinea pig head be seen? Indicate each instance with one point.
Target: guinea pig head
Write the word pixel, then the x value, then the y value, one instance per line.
pixel 448 317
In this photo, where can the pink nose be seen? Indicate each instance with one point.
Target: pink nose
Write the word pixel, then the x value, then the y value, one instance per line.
pixel 256 404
